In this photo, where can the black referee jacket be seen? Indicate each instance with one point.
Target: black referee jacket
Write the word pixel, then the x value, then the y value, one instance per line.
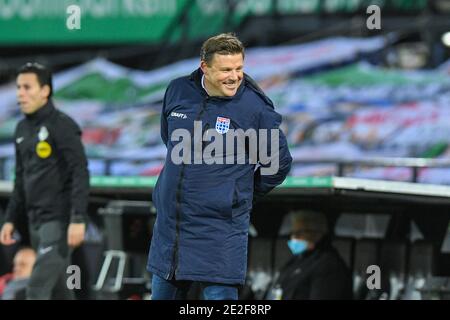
pixel 51 173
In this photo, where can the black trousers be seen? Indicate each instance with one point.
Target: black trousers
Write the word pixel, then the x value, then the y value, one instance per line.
pixel 49 278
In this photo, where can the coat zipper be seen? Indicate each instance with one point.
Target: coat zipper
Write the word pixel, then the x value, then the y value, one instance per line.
pixel 178 205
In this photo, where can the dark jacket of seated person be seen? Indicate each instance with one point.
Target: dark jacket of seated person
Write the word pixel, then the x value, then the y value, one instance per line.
pixel 316 271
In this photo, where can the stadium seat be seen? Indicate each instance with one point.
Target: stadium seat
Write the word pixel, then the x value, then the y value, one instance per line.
pixel 259 266
pixel 421 264
pixel 393 258
pixel 345 246
pixel 421 259
pixel 436 288
pixel 282 254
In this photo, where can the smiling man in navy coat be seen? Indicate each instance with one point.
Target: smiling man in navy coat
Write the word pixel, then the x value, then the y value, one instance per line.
pixel 204 200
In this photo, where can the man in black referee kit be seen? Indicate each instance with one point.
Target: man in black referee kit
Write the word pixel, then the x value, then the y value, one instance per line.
pixel 51 184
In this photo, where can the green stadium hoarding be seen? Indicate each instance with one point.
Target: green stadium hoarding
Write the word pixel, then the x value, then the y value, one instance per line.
pixel 328 182
pixel 337 192
pixel 301 182
pixel 44 21
pixel 104 21
pixel 123 182
pixel 25 22
pixel 139 182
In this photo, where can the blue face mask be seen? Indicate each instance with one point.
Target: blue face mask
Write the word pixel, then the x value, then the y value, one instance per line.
pixel 297 246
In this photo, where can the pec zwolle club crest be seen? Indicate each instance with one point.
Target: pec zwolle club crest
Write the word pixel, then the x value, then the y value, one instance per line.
pixel 222 125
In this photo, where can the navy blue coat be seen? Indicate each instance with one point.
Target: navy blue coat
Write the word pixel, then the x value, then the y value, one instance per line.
pixel 203 210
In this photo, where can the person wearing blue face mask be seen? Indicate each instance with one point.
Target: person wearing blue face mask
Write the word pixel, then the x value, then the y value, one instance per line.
pixel 315 271
pixel 297 246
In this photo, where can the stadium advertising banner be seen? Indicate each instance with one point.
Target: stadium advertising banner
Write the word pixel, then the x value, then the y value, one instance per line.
pixel 114 21
pixel 152 21
pixel 45 21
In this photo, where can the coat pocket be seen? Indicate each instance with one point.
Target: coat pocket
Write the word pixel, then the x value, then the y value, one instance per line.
pixel 213 199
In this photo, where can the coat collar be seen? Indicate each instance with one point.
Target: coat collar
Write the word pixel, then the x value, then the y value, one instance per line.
pixel 42 113
pixel 247 82
pixel 196 77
